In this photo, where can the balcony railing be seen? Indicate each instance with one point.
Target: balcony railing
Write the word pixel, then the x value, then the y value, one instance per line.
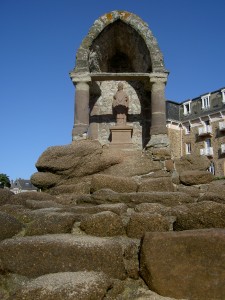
pixel 205 130
pixel 207 151
pixel 222 149
pixel 222 126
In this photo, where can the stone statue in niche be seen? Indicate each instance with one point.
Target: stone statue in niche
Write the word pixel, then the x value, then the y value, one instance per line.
pixel 120 105
pixel 94 58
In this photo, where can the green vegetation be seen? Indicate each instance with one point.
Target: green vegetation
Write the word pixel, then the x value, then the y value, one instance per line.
pixel 219 178
pixel 4 180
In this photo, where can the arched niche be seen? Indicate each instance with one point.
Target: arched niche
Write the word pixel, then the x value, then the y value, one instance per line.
pixel 119 48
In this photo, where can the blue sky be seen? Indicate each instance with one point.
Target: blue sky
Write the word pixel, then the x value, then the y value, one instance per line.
pixel 39 39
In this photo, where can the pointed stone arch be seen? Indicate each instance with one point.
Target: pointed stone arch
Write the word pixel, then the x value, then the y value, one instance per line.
pixel 134 22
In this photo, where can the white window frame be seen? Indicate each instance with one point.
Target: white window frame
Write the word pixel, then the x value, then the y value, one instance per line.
pixel 208 143
pixel 223 95
pixel 188 148
pixel 206 101
pixel 187 128
pixel 211 168
pixel 187 108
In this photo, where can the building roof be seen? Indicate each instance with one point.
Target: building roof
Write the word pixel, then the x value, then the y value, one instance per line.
pixel 23 184
pixel 175 111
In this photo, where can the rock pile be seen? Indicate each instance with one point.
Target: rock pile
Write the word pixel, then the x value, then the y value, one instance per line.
pixel 114 225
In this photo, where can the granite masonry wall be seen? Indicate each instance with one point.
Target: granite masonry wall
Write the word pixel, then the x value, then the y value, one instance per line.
pixel 101 114
pixel 175 137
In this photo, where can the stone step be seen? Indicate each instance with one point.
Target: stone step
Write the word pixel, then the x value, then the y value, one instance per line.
pixel 39 255
pixel 9 226
pixel 106 196
pixel 118 208
pixel 67 285
pixel 163 184
pixel 116 183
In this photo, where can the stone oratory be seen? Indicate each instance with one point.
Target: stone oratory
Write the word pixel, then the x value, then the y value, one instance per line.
pixel 120 51
pixel 116 224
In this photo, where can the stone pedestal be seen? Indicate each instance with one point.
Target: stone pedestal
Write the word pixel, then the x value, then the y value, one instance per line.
pixel 121 136
pixel 158 141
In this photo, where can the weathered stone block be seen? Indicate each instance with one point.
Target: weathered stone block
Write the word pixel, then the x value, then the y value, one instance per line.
pixel 132 199
pixel 151 208
pixel 66 285
pixel 21 213
pixel 9 226
pixel 59 164
pixel 5 196
pixel 140 223
pixel 46 254
pixel 117 184
pixel 217 187
pixel 161 153
pixel 51 223
pixel 196 177
pixel 79 189
pixel 157 185
pixel 192 162
pixel 200 215
pixel 103 224
pixel 117 208
pixel 192 191
pixel 34 204
pixel 21 198
pixel 44 180
pixel 169 165
pixel 212 196
pixel 187 264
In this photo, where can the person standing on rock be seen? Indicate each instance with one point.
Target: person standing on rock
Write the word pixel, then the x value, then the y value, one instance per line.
pixel 120 105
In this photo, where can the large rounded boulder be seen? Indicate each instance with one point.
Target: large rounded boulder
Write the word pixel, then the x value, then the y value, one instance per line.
pixel 192 162
pixel 60 164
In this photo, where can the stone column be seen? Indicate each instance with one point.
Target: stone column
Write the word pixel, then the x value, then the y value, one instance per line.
pixel 81 111
pixel 158 130
pixel 158 106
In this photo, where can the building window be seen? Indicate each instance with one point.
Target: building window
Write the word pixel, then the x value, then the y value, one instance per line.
pixel 222 148
pixel 211 168
pixel 207 143
pixel 187 129
pixel 223 95
pixel 187 108
pixel 188 148
pixel 205 101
